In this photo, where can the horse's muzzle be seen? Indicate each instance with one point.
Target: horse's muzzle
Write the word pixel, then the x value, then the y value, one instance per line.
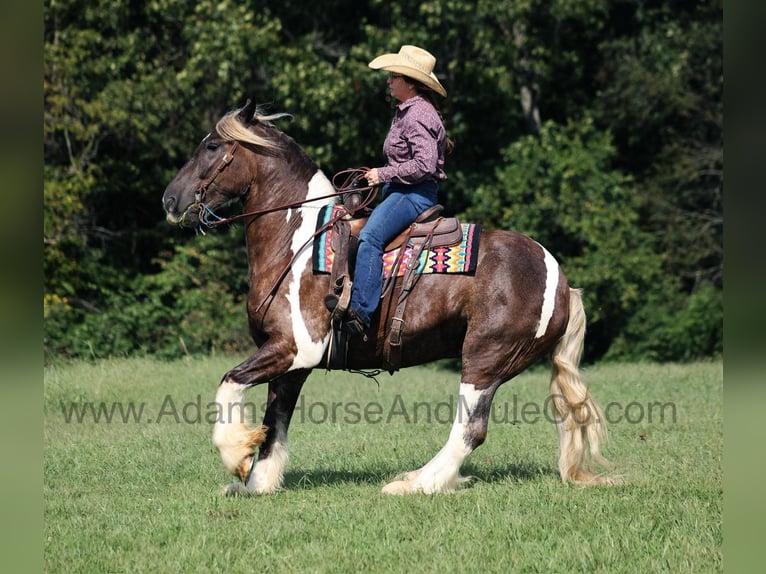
pixel 175 212
pixel 189 217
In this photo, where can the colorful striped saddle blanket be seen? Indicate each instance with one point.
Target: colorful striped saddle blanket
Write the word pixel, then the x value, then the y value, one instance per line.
pixel 458 258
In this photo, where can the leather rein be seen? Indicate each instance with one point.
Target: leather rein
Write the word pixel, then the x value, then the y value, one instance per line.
pixel 351 184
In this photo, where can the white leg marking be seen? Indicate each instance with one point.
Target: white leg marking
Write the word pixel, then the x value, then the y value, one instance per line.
pixel 310 352
pixel 231 432
pixel 442 472
pixel 549 296
pixel 267 474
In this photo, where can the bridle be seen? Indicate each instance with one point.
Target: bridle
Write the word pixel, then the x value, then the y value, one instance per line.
pixel 205 210
pixel 350 184
pixel 201 190
pixel 228 157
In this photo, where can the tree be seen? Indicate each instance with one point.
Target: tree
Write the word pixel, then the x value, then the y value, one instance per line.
pixel 561 189
pixel 593 125
pixel 661 95
pixel 120 115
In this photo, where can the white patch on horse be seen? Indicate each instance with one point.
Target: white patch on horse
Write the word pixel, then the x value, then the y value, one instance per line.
pixel 231 428
pixel 442 472
pixel 549 295
pixel 310 352
pixel 268 473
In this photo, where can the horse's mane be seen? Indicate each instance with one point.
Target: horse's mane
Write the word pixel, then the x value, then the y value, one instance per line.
pixel 231 128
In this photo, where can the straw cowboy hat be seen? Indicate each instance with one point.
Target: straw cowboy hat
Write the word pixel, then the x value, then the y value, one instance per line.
pixel 413 62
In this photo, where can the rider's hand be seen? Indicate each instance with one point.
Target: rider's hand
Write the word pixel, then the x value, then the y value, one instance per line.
pixel 372 176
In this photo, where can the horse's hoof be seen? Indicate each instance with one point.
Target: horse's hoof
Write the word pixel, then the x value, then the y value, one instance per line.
pixel 235 489
pixel 398 487
pixel 410 476
pixel 598 480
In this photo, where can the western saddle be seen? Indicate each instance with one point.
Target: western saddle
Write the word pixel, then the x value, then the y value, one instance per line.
pixel 429 230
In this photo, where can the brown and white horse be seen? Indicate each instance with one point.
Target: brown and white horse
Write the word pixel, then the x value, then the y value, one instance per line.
pixel 516 309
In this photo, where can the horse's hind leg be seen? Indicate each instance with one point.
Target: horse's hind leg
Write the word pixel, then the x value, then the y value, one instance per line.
pixel 469 429
pixel 260 472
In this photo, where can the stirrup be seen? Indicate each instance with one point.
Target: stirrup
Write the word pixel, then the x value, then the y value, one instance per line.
pixel 337 302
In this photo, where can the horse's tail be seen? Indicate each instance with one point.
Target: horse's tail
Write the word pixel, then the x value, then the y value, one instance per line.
pixel 579 419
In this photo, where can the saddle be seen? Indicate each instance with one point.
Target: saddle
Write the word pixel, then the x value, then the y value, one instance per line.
pixel 429 230
pixel 446 232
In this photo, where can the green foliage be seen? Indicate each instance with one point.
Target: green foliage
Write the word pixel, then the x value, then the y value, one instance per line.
pixel 559 188
pixel 594 126
pixel 674 328
pixel 195 304
pixel 661 96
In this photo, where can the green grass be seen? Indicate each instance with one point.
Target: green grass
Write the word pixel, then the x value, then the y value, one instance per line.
pixel 144 496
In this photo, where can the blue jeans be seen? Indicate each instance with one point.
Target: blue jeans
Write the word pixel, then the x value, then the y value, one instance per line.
pixel 400 206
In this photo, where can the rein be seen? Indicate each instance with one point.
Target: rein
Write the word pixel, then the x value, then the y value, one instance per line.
pixel 350 185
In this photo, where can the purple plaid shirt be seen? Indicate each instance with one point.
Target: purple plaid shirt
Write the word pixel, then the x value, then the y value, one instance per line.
pixel 415 144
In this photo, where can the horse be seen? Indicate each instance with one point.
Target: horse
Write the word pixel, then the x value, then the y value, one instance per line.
pixel 514 310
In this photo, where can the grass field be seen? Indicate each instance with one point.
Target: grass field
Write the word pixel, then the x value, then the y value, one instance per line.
pixel 141 493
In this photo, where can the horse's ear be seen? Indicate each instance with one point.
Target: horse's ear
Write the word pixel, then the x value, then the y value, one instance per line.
pixel 247 113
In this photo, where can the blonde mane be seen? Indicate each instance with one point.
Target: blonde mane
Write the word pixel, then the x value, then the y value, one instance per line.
pixel 231 128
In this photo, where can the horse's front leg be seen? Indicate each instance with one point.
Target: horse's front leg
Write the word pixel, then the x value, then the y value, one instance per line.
pixel 267 472
pixel 233 436
pixel 236 442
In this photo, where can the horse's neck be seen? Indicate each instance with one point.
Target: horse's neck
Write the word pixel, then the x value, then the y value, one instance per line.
pixel 276 239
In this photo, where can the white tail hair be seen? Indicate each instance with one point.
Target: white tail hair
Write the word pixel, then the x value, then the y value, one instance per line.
pixel 580 422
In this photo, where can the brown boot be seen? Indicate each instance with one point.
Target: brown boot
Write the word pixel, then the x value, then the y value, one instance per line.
pixel 351 324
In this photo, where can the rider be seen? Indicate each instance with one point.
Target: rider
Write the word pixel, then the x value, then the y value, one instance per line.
pixel 414 148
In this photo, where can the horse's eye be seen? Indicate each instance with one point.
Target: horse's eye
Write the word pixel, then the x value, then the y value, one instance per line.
pixel 212 146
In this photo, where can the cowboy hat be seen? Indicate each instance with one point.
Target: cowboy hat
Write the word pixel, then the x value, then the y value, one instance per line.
pixel 413 62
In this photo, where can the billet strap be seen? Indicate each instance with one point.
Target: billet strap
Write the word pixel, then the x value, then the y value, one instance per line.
pixel 389 281
pixel 392 348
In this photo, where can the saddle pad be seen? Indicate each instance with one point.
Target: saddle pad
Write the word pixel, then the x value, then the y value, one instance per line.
pixel 458 258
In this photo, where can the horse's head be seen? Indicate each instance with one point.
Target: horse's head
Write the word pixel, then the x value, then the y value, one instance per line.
pixel 218 171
